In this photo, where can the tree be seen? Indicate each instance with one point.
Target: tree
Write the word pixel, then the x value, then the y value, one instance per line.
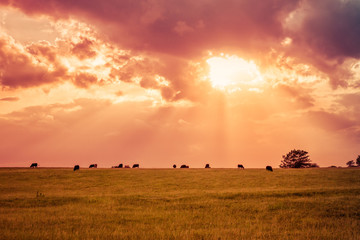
pixel 296 159
pixel 358 161
pixel 350 163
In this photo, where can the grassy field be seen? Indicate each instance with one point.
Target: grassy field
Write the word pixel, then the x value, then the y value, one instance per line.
pixel 179 204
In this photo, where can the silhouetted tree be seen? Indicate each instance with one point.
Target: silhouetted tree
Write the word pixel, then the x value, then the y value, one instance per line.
pixel 350 163
pixel 296 159
pixel 358 161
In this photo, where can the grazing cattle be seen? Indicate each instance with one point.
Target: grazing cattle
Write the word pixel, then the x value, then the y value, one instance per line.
pixel 119 166
pixel 269 168
pixel 93 166
pixel 207 166
pixel 127 166
pixel 34 165
pixel 174 166
pixel 76 167
pixel 135 166
pixel 184 166
pixel 241 166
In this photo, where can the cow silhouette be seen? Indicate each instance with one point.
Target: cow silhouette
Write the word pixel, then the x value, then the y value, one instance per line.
pixel 241 166
pixel 119 166
pixel 76 167
pixel 135 166
pixel 34 165
pixel 174 166
pixel 269 168
pixel 127 166
pixel 93 166
pixel 207 165
pixel 184 166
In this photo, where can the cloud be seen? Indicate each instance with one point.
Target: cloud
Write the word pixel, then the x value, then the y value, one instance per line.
pixel 83 49
pixel 324 34
pixel 331 121
pixel 156 24
pixel 351 101
pixel 10 99
pixel 82 59
pixel 19 68
pixel 84 80
pixel 329 27
pixel 298 95
pixel 172 34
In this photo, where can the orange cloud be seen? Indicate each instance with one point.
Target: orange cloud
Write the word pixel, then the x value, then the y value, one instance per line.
pixel 9 99
pixel 21 69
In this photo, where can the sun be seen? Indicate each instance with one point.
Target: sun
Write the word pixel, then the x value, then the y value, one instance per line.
pixel 232 72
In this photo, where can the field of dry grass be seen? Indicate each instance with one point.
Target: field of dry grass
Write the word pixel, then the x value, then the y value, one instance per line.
pixel 179 204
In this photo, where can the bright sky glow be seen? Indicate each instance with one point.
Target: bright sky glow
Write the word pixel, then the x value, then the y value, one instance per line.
pixel 230 72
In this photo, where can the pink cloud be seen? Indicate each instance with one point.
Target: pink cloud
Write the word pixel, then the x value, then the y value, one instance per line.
pixel 186 30
pixel 84 80
pixel 156 25
pixel 21 69
pixel 10 99
pixel 331 121
pixel 324 34
pixel 84 49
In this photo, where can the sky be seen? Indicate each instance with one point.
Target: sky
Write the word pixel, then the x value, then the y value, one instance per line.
pixel 163 82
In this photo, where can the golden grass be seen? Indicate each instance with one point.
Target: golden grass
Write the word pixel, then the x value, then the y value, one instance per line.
pixel 179 204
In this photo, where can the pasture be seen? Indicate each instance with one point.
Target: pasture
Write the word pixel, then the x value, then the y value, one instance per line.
pixel 180 204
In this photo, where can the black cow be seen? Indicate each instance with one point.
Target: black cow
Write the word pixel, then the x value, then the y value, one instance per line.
pixel 127 166
pixel 241 166
pixel 269 168
pixel 135 166
pixel 93 166
pixel 119 166
pixel 76 167
pixel 207 165
pixel 184 166
pixel 174 166
pixel 34 165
